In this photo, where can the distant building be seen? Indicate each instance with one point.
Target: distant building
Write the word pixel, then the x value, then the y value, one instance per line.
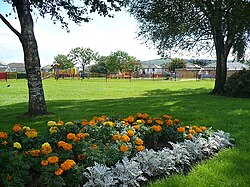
pixel 3 67
pixel 46 69
pixel 158 67
pixel 16 67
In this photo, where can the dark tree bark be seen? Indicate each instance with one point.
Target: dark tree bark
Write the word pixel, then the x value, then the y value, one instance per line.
pixel 37 105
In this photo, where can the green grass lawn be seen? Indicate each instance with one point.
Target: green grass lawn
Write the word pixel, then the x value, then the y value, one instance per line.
pixel 187 100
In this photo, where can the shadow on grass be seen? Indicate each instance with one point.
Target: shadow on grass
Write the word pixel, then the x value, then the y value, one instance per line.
pixel 191 106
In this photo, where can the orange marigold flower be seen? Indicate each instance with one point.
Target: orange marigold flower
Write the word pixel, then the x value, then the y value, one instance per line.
pixel 46 148
pixel 136 127
pixel 3 135
pixel 156 128
pixel 44 162
pixel 67 146
pixel 189 136
pixel 81 156
pixel 191 131
pixel 198 130
pixel 81 135
pixel 203 128
pixel 139 141
pixel 131 119
pixel 35 152
pixel 4 143
pixel 31 133
pixel 123 148
pixel 149 121
pixel 92 122
pixel 181 129
pixel 125 138
pixel 144 116
pixel 176 121
pixel 71 136
pixel 167 116
pixel 16 128
pixel 169 122
pixel 130 133
pixel 159 121
pixel 139 115
pixel 116 137
pixel 53 159
pixel 84 122
pixel 68 164
pixel 60 143
pixel 60 123
pixel 94 146
pixel 59 172
pixel 140 148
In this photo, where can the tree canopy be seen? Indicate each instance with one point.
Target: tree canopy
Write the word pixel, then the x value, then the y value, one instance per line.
pixel 221 25
pixel 64 61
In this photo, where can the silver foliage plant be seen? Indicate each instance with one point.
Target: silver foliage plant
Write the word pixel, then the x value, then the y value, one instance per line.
pixel 149 163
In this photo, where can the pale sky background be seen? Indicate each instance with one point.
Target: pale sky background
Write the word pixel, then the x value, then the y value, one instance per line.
pixel 104 35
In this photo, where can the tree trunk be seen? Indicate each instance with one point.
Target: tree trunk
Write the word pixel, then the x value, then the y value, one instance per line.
pixel 37 105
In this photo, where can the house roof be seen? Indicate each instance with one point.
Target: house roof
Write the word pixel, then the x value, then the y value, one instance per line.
pixel 3 63
pixel 156 61
pixel 16 65
pixel 230 66
pixel 47 67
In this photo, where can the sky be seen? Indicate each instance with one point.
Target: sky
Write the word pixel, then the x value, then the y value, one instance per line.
pixel 103 35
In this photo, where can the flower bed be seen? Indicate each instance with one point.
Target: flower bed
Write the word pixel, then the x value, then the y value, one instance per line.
pixel 104 151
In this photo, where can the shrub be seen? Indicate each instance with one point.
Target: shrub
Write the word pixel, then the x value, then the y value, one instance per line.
pixel 238 85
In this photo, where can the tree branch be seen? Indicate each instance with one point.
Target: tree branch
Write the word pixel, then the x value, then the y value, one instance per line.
pixel 9 25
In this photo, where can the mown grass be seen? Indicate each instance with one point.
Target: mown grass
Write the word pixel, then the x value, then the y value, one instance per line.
pixel 187 100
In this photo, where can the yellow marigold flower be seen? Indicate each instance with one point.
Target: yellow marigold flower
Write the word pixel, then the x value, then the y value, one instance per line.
pixel 85 122
pixel 144 116
pixel 45 144
pixel 190 136
pixel 94 146
pixel 176 121
pixel 44 162
pixel 136 127
pixel 51 123
pixel 3 135
pixel 123 148
pixel 140 148
pixel 159 121
pixel 125 138
pixel 16 128
pixel 25 128
pixel 156 128
pixel 198 130
pixel 138 121
pixel 53 130
pixel 31 133
pixel 203 128
pixel 60 123
pixel 139 141
pixel 108 123
pixel 167 116
pixel 81 156
pixel 116 137
pixel 68 164
pixel 35 152
pixel 191 131
pixel 181 129
pixel 59 172
pixel 69 123
pixel 17 145
pixel 53 159
pixel 130 133
pixel 131 119
pixel 71 136
pixel 169 122
pixel 4 143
